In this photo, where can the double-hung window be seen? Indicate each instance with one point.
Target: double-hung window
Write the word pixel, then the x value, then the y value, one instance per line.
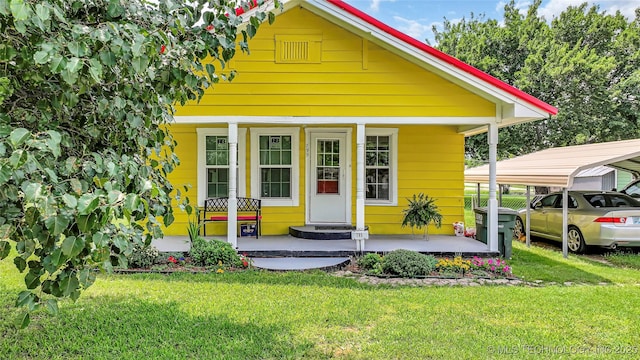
pixel 213 163
pixel 274 177
pixel 381 160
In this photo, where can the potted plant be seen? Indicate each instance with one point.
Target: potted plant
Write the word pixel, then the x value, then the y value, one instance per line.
pixel 420 212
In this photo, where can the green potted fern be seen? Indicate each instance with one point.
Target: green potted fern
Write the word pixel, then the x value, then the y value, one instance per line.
pixel 420 212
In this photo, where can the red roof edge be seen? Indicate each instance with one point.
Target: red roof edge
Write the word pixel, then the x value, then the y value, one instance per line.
pixel 446 58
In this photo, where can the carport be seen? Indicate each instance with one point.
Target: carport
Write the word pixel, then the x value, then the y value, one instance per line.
pixel 558 167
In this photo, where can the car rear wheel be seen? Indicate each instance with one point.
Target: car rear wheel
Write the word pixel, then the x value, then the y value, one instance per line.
pixel 575 240
pixel 518 229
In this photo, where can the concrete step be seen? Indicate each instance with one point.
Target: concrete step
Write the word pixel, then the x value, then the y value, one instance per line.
pixel 322 232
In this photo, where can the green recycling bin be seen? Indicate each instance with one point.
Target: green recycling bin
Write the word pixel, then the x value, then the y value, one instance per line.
pixel 506 223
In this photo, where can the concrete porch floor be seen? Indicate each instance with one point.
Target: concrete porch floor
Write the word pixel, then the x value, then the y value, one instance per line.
pixel 285 245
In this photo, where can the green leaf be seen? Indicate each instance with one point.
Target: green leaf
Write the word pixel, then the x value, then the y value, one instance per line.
pixel 18 136
pixel 100 239
pixel 53 143
pixel 76 186
pixel 140 63
pixel 168 219
pixel 87 203
pixel 69 284
pixel 95 70
pixel 108 58
pixel 31 191
pixel 52 307
pixel 42 12
pixel 41 57
pixel 87 277
pixel 251 30
pixel 115 10
pixel 272 18
pixel 23 320
pixel 32 280
pixel 74 65
pixel 70 200
pixel 5 174
pixel 76 48
pixel 18 158
pixel 53 261
pixel 57 63
pixel 20 10
pixel 131 202
pixel 20 263
pixel 5 248
pixel 57 224
pixel 72 246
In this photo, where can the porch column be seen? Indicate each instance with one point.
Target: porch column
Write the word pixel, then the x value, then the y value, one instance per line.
pixel 360 234
pixel 232 223
pixel 492 225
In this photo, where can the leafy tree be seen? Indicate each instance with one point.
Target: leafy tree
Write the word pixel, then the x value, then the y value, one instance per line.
pixel 584 61
pixel 85 92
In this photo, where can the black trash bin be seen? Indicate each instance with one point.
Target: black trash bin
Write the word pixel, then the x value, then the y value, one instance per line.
pixel 506 223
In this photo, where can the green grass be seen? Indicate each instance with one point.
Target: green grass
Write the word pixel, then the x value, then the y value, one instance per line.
pixel 624 259
pixel 264 315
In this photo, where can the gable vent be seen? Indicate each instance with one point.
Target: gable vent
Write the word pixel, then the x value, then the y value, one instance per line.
pixel 298 49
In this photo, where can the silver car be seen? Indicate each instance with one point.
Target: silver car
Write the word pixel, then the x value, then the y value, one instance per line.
pixel 606 219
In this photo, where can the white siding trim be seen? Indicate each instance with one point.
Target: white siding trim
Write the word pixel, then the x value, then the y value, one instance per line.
pixel 315 120
pixel 294 132
pixel 201 182
pixel 393 164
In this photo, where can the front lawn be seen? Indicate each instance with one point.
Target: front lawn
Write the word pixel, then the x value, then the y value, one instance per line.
pixel 265 315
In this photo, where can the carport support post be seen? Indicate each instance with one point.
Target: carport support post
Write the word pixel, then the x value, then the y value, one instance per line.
pixel 527 229
pixel 492 226
pixel 232 212
pixel 565 222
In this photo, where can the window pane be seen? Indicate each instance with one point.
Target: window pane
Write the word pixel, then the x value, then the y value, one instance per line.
pixel 217 182
pixel 286 142
pixel 378 167
pixel 264 142
pixel 372 142
pixel 383 158
pixel 383 143
pixel 275 158
pixel 276 183
pixel 286 157
pixel 264 157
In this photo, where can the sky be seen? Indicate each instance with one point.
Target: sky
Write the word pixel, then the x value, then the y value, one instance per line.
pixel 417 17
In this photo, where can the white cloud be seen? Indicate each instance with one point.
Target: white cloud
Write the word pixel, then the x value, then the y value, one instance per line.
pixel 553 8
pixel 414 28
pixel 375 4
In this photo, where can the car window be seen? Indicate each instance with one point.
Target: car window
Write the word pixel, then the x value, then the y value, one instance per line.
pixel 596 200
pixel 616 200
pixel 633 189
pixel 611 200
pixel 549 201
pixel 572 202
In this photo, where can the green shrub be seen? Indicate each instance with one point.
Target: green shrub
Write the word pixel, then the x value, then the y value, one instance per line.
pixel 143 257
pixel 369 261
pixel 408 263
pixel 211 252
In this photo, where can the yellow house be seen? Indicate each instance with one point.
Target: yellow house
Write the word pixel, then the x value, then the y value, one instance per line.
pixel 336 119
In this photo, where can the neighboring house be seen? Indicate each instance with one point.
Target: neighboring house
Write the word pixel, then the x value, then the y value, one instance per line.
pixel 337 119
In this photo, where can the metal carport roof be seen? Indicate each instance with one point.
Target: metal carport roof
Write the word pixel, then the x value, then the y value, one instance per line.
pixel 558 166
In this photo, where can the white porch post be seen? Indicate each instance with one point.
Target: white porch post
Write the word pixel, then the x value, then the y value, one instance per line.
pixel 492 225
pixel 360 185
pixel 232 223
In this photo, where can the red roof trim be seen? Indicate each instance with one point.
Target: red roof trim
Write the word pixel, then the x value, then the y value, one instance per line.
pixel 446 58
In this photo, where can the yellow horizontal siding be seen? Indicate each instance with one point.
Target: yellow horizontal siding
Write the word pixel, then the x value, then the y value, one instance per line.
pixel 339 85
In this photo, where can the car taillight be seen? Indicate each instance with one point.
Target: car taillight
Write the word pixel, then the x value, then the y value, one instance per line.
pixel 615 220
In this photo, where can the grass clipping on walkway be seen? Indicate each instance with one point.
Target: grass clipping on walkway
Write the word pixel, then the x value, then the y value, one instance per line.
pixel 266 315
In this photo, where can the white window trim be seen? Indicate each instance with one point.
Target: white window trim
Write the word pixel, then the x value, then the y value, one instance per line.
pixel 294 132
pixel 242 156
pixel 393 165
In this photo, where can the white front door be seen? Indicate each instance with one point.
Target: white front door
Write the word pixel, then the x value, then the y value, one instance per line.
pixel 328 181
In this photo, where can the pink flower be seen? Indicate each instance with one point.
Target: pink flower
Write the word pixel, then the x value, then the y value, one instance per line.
pixel 173 260
pixel 493 268
pixel 490 261
pixel 210 27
